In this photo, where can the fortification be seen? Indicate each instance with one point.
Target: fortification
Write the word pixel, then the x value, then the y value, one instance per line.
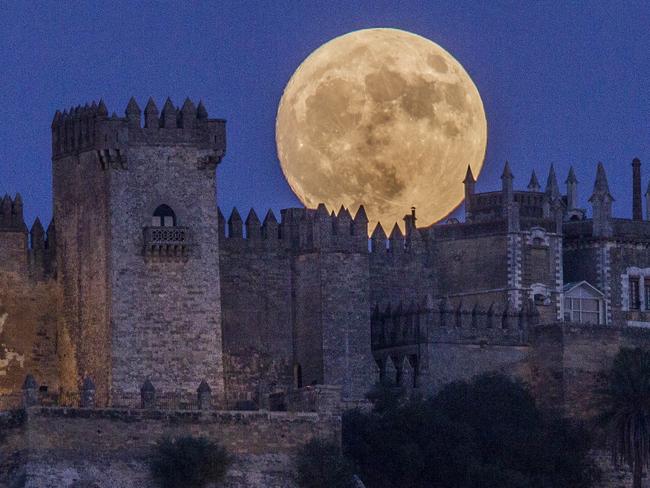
pixel 138 247
pixel 295 301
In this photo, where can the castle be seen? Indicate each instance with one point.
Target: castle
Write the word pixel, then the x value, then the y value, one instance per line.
pixel 140 280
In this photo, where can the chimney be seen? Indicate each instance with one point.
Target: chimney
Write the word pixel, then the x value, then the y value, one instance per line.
pixel 637 209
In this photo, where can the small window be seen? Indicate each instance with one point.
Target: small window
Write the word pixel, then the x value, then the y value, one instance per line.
pixel 635 297
pixel 163 216
pixel 585 310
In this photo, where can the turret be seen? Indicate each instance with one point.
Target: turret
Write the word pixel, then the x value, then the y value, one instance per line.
pixel 551 193
pixel 601 202
pixel 470 187
pixel 552 190
pixel 571 190
pixel 533 184
pixel 637 206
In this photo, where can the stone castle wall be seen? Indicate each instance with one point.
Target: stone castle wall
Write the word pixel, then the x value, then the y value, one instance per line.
pixel 165 305
pixel 81 211
pixel 28 332
pixel 109 447
pixel 256 297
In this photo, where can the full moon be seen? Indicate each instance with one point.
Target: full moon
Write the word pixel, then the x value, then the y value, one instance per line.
pixel 383 118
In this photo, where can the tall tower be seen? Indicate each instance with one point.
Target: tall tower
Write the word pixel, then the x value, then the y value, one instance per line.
pixel 137 248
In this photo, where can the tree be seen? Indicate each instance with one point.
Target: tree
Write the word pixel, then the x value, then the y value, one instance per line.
pixel 625 410
pixel 485 433
pixel 188 462
pixel 320 464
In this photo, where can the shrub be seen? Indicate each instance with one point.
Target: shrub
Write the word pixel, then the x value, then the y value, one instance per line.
pixel 320 464
pixel 188 462
pixel 486 433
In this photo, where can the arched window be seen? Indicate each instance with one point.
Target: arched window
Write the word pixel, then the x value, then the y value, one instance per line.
pixel 163 216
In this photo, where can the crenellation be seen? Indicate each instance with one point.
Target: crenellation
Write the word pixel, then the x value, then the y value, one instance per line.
pixel 142 279
pixel 91 129
pixel 235 225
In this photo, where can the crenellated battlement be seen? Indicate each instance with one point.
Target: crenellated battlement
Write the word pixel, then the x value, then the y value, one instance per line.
pixel 28 251
pixel 414 324
pixel 11 214
pixel 91 128
pixel 300 230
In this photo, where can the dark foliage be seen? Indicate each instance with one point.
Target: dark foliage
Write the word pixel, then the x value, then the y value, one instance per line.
pixel 625 410
pixel 487 433
pixel 188 462
pixel 320 464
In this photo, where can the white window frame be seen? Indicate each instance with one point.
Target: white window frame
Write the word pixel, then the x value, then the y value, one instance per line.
pixel 642 274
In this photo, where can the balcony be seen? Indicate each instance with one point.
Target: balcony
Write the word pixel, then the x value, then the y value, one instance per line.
pixel 166 243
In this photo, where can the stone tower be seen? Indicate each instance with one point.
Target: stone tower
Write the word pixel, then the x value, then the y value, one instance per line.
pixel 137 248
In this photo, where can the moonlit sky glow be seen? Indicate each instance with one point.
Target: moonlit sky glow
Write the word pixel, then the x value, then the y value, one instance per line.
pixel 561 82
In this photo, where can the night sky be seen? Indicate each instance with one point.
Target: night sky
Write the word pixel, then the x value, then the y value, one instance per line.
pixel 562 82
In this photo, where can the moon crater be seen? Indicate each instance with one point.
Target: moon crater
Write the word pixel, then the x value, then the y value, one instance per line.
pixel 383 118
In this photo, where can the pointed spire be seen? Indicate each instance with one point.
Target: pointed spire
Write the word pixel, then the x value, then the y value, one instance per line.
pixel 379 232
pixel 533 184
pixel 253 226
pixel 101 109
pixel 133 113
pixel 571 190
pixel 344 213
pixel 132 107
pixel 396 239
pixel 360 227
pixel 396 233
pixel 151 114
pixel 57 118
pixel 37 235
pixel 378 239
pixel 270 218
pixel 361 215
pixel 201 112
pixel 506 174
pixel 601 187
pixel 5 211
pixel 188 114
pixel 168 116
pixel 552 189
pixel 469 176
pixel 235 228
pixel 321 212
pixel 571 178
pixel 270 226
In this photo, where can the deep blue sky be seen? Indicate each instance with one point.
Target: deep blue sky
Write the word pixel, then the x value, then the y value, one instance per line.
pixel 562 82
